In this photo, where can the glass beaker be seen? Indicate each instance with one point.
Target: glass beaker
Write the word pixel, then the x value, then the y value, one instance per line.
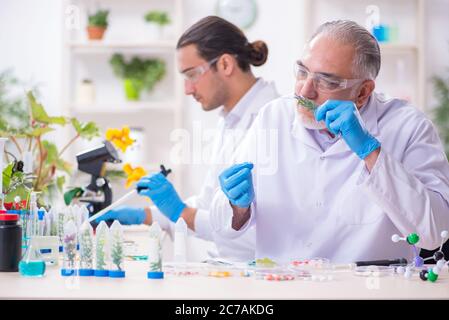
pixel 32 263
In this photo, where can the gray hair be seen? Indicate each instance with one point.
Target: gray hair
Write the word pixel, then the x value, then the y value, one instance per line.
pixel 366 63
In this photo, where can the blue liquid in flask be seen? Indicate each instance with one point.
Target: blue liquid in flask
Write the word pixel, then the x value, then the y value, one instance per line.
pixel 32 268
pixel 32 264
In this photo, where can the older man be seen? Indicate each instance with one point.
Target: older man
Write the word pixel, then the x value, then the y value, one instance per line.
pixel 343 178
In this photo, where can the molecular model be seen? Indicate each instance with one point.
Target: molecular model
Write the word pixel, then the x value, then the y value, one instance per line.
pixel 425 274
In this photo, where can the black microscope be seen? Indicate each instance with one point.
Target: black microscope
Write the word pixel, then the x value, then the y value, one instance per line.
pixel 93 161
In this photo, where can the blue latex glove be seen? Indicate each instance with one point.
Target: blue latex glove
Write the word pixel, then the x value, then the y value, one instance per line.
pixel 237 184
pixel 341 118
pixel 125 215
pixel 163 195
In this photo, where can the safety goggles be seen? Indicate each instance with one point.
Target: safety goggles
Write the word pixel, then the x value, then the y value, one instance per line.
pixel 194 74
pixel 322 82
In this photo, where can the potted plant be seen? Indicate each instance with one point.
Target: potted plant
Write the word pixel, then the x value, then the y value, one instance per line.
pixel 97 24
pixel 157 19
pixel 138 74
pixel 26 124
pixel 441 111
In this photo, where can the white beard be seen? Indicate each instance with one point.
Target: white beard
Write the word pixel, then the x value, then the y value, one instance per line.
pixel 310 123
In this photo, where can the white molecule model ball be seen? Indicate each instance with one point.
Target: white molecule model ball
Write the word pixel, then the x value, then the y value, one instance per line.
pixel 436 270
pixel 408 272
pixel 400 270
pixel 440 263
pixel 395 238
pixel 444 234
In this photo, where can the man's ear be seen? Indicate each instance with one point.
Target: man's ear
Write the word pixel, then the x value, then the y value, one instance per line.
pixel 227 64
pixel 364 92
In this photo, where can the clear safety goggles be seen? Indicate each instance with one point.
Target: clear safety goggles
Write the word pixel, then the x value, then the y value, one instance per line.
pixel 194 74
pixel 323 82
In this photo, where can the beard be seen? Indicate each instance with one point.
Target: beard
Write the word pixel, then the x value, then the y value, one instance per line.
pixel 308 120
pixel 214 99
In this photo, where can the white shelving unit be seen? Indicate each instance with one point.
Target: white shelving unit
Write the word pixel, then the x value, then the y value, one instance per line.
pixel 402 71
pixel 158 112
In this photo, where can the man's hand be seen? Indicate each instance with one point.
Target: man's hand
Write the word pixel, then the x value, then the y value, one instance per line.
pixel 125 215
pixel 237 184
pixel 341 117
pixel 163 195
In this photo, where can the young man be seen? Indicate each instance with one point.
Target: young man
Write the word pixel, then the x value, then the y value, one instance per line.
pixel 215 59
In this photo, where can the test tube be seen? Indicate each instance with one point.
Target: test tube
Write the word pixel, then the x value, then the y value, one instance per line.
pixel 41 222
pixel 180 244
pixel 60 217
pixel 86 239
pixel 117 269
pixel 102 250
pixel 154 252
pixel 69 251
pixel 34 230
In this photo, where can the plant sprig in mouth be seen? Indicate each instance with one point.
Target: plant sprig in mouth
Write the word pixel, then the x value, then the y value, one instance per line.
pixel 306 103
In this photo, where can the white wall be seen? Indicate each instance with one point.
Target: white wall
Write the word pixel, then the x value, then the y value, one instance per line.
pixel 437 43
pixel 30 42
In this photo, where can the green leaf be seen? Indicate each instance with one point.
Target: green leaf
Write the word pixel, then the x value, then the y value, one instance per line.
pixel 115 175
pixel 21 191
pixel 52 151
pixel 40 115
pixel 40 131
pixel 99 19
pixel 60 183
pixel 87 130
pixel 71 194
pixel 159 17
pixel 53 157
pixel 7 175
pixel 145 71
pixel 64 166
pixel 441 112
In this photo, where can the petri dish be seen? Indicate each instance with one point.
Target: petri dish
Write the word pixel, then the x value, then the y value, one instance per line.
pixel 374 271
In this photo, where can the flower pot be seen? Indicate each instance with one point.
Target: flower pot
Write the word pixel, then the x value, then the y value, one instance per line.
pixel 132 89
pixel 16 206
pixel 95 33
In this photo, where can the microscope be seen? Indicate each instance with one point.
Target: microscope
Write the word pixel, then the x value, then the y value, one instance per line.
pixel 93 161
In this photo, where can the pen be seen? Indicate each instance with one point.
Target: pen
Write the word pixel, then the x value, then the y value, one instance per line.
pixel 402 261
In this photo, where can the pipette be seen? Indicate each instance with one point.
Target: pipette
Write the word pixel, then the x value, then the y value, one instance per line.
pixel 123 199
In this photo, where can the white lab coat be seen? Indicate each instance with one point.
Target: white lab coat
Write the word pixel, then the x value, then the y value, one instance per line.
pixel 310 203
pixel 231 130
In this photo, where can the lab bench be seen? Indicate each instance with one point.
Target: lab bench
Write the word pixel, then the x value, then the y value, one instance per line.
pixel 136 286
pixel 343 285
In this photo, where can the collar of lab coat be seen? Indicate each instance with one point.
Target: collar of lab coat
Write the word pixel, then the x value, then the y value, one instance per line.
pixel 368 112
pixel 249 105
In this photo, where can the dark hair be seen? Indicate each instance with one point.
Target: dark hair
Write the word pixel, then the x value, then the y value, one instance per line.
pixel 214 36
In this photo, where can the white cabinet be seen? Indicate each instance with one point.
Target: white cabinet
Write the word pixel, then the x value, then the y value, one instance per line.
pixel 402 71
pixel 158 112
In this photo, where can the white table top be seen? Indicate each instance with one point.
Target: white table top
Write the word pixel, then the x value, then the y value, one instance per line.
pixel 136 286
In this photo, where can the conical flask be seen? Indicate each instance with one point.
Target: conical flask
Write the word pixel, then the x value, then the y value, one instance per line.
pixel 32 264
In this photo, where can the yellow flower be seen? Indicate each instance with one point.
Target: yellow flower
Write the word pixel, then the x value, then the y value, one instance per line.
pixel 134 174
pixel 119 137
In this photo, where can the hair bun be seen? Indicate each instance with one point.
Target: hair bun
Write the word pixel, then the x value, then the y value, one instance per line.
pixel 258 53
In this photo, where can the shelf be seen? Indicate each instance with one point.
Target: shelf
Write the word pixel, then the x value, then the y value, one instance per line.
pixel 123 108
pixel 101 46
pixel 397 47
